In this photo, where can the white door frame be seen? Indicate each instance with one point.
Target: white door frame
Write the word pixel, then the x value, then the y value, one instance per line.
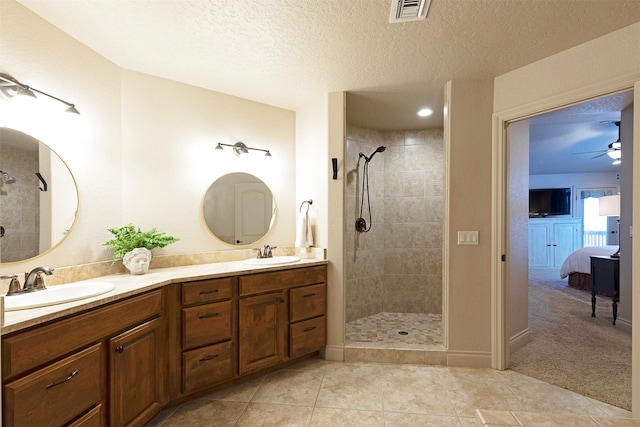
pixel 499 300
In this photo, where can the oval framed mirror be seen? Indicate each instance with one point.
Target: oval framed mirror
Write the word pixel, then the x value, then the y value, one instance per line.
pixel 38 197
pixel 238 209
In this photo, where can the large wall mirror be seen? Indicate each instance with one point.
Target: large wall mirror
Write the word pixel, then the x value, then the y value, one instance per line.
pixel 38 197
pixel 238 209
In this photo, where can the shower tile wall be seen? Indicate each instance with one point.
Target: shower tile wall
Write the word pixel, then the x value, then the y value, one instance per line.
pixel 19 202
pixel 397 266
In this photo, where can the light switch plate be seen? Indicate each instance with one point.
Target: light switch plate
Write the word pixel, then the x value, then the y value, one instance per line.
pixel 467 237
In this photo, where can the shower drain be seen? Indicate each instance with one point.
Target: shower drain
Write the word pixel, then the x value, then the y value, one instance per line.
pixel 403 333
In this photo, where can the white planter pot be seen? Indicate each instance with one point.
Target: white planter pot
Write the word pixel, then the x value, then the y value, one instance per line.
pixel 137 261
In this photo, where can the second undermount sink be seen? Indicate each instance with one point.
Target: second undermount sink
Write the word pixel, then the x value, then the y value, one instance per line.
pixel 276 260
pixel 57 295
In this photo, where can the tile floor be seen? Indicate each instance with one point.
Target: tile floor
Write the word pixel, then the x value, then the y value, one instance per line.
pixel 322 393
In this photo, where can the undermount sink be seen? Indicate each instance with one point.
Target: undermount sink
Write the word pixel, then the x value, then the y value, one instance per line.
pixel 57 295
pixel 272 261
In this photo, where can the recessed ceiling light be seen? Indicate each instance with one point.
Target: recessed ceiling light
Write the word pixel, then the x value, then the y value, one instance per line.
pixel 425 112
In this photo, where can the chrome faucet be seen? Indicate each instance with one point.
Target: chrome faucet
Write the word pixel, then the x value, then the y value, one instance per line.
pixel 265 252
pixel 14 286
pixel 33 281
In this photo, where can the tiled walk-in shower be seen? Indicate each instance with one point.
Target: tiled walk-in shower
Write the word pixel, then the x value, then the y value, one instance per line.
pixel 394 265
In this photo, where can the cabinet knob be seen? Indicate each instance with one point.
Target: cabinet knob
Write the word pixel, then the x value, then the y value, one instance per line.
pixel 119 349
pixel 281 300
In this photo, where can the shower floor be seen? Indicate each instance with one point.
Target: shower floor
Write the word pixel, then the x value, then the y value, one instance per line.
pixel 412 330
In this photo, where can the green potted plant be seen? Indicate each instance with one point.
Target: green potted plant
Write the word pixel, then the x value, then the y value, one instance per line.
pixel 134 246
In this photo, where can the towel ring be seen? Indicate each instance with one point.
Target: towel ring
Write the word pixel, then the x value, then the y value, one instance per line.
pixel 308 202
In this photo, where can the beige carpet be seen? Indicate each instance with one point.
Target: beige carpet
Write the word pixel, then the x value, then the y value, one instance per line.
pixel 571 349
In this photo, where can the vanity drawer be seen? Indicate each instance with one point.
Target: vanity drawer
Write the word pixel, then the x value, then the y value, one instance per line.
pixel 206 324
pixel 307 302
pixel 204 291
pixel 58 393
pixel 93 418
pixel 265 282
pixel 206 366
pixel 307 336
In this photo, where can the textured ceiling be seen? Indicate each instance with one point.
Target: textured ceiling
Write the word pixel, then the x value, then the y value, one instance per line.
pixel 288 52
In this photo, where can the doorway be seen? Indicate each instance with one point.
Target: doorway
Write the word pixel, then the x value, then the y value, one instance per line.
pixel 501 349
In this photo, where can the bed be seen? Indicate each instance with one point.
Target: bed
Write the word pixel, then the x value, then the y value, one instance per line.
pixel 577 266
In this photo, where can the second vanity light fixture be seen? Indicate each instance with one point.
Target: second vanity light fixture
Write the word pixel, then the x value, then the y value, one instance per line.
pixel 241 148
pixel 11 87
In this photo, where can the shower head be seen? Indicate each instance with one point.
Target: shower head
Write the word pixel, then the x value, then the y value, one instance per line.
pixel 378 150
pixel 6 178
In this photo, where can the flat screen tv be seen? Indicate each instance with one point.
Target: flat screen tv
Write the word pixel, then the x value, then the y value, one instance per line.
pixel 549 201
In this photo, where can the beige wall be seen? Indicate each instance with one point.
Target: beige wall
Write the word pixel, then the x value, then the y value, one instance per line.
pixel 313 165
pixel 335 230
pixel 142 149
pixel 469 188
pixel 169 133
pixel 35 52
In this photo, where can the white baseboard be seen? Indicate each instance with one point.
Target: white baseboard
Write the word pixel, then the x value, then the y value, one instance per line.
pixel 519 340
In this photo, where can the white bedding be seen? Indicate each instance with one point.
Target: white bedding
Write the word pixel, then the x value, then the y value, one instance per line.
pixel 579 261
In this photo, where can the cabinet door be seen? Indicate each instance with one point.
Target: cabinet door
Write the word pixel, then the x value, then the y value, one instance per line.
pixel 564 238
pixel 262 321
pixel 538 245
pixel 135 374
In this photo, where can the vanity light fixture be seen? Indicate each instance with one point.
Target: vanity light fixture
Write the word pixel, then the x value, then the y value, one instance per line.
pixel 241 148
pixel 11 87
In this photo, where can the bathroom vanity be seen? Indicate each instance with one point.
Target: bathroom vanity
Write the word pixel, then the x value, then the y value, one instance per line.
pixel 120 358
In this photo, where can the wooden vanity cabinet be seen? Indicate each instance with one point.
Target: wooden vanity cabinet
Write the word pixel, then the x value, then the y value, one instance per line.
pixel 281 316
pixel 88 369
pixel 207 329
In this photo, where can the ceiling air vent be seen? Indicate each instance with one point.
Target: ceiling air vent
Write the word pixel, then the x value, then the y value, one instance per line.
pixel 408 10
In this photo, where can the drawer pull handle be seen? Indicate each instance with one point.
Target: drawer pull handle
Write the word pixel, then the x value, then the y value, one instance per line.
pixel 205 359
pixel 309 329
pixel 53 384
pixel 119 349
pixel 209 292
pixel 309 295
pixel 205 316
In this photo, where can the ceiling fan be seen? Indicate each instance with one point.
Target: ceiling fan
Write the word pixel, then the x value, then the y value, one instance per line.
pixel 614 149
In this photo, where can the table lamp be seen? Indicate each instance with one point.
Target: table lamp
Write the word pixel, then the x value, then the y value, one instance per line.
pixel 610 206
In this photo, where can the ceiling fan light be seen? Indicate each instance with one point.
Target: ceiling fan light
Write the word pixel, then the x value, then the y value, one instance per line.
pixel 615 154
pixel 616 162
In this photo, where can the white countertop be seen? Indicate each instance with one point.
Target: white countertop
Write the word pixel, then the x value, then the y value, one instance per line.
pixel 128 285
